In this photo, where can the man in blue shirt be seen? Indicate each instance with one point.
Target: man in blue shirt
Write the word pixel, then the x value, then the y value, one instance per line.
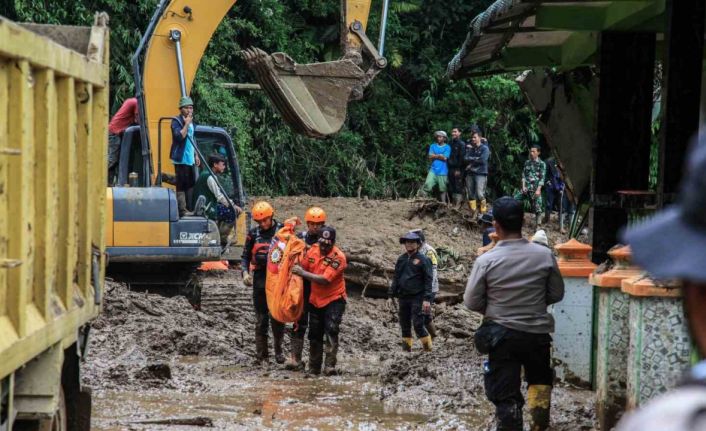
pixel 183 154
pixel 438 174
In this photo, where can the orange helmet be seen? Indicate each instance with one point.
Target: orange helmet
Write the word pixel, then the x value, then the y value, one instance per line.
pixel 262 210
pixel 315 215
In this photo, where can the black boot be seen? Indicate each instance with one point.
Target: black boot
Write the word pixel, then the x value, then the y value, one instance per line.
pixel 261 355
pixel 296 346
pixel 509 416
pixel 316 356
pixel 330 361
pixel 277 337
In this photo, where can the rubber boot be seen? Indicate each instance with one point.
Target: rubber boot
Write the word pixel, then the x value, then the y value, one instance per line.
pixel 181 203
pixel 261 355
pixel 431 329
pixel 426 343
pixel 330 360
pixel 547 214
pixel 407 343
pixel 483 206
pixel 316 356
pixel 539 399
pixel 508 414
pixel 473 207
pixel 296 346
pixel 277 337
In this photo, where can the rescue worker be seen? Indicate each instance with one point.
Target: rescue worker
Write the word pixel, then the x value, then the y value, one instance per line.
pixel 219 207
pixel 127 115
pixel 183 153
pixel 430 252
pixel 533 179
pixel 411 284
pixel 315 219
pixel 671 247
pixel 512 285
pixel 254 271
pixel 323 266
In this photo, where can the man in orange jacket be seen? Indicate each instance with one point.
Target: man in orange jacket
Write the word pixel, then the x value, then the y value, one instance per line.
pixel 323 265
pixel 315 218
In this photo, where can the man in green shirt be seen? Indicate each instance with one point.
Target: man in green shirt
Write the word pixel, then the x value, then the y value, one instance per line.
pixel 218 206
pixel 533 179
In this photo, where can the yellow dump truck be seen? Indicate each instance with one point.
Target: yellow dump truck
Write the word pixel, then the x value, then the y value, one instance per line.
pixel 53 128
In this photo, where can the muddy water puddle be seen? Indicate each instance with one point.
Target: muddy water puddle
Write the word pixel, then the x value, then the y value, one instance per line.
pixel 238 398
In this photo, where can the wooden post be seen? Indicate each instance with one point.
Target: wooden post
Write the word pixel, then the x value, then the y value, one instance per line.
pixel 623 130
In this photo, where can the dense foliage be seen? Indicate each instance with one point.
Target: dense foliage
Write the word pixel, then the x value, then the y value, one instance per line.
pixel 381 151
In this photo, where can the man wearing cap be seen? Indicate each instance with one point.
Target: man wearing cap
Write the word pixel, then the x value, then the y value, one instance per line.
pixel 412 285
pixel 183 153
pixel 315 219
pixel 439 153
pixel 512 285
pixel 430 252
pixel 254 270
pixel 219 207
pixel 323 266
pixel 672 246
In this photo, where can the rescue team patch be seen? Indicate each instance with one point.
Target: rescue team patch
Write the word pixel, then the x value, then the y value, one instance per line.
pixel 276 255
pixel 415 261
pixel 312 260
pixel 335 264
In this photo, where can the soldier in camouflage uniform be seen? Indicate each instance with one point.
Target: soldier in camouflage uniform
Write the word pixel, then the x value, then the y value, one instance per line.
pixel 533 179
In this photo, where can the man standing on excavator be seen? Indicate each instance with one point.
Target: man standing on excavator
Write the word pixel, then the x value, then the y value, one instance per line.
pixel 127 115
pixel 254 270
pixel 315 218
pixel 183 153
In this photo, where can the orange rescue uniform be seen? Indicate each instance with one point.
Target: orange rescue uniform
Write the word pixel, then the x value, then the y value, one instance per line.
pixel 331 268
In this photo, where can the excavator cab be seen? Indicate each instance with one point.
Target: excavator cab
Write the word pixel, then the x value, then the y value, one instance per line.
pixel 313 98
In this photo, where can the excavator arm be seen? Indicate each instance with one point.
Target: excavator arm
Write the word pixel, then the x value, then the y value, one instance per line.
pixel 313 98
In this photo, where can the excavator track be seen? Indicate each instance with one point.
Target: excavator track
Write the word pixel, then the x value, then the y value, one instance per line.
pixel 221 292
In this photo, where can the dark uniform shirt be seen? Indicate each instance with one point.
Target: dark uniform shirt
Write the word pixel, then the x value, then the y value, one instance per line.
pixel 413 276
pixel 254 258
pixel 455 160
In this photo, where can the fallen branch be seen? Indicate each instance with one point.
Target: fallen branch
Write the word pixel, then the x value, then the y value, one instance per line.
pixel 199 421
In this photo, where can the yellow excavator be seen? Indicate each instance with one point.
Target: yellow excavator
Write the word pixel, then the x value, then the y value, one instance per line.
pixel 148 243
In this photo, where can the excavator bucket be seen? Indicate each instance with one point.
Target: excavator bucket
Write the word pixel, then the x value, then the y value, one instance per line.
pixel 312 98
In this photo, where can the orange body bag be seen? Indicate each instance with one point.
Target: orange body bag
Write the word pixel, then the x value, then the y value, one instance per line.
pixel 285 291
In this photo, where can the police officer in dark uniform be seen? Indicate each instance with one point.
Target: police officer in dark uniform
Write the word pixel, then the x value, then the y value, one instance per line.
pixel 254 267
pixel 315 219
pixel 412 284
pixel 672 246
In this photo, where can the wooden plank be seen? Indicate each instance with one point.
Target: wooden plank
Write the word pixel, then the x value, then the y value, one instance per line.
pixel 21 44
pixel 45 196
pixel 4 160
pixel 68 189
pixel 20 192
pixel 85 163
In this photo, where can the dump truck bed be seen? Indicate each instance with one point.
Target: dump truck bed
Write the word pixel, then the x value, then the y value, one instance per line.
pixel 53 133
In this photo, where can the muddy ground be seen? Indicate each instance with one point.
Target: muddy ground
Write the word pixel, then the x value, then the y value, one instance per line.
pixel 155 362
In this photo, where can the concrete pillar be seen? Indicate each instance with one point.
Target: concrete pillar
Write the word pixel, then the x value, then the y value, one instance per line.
pixel 660 346
pixel 573 316
pixel 612 341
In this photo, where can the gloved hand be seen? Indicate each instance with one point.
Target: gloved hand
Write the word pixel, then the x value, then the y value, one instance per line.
pixel 247 279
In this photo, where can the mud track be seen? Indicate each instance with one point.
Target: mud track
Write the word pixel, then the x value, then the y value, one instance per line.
pixel 156 363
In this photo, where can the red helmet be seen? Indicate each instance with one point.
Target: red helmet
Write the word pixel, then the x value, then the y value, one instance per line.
pixel 315 215
pixel 262 210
